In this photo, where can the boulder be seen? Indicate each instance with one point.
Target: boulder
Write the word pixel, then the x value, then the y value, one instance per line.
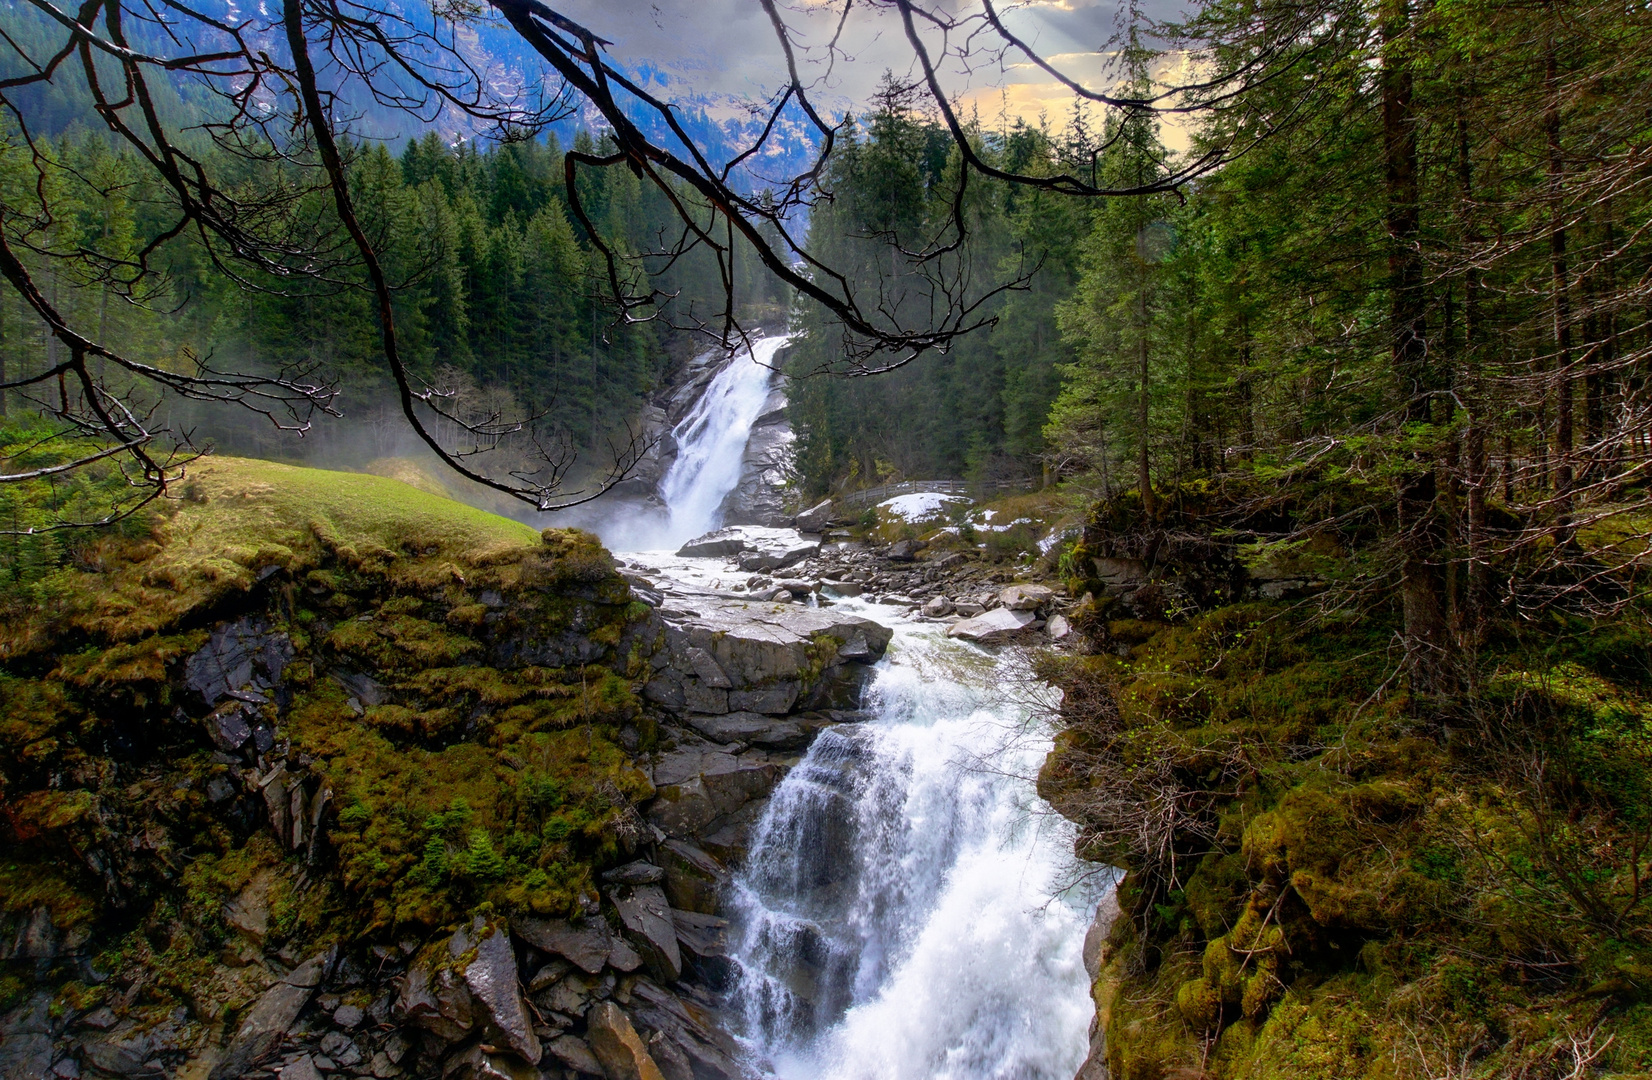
pixel 230 725
pixel 712 1052
pixel 240 659
pixel 756 549
pixel 492 980
pixel 694 880
pixel 266 1024
pixel 905 550
pixel 751 727
pixel 996 625
pixel 937 606
pixel 719 543
pixel 1026 597
pixel 773 700
pixel 646 916
pixel 479 1062
pixel 614 1042
pixel 815 519
pixel 1058 627
pixel 302 1069
pixel 573 1052
pixel 706 669
pixel 842 588
pixel 586 943
pixel 704 942
pixel 638 872
pixel 695 789
pixel 26 1048
pixel 438 1001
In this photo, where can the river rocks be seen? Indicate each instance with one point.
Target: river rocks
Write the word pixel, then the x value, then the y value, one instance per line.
pixel 994 626
pixel 492 981
pixel 266 1024
pixel 754 548
pixel 1026 597
pixel 1058 627
pixel 937 606
pixel 615 1044
pixel 646 916
pixel 905 550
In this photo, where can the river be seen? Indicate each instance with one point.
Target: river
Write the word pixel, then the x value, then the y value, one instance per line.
pixel 910 909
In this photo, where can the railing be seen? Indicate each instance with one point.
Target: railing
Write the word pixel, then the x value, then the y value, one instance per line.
pixel 877 494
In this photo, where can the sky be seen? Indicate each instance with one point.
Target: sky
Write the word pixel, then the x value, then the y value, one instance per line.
pixel 727 49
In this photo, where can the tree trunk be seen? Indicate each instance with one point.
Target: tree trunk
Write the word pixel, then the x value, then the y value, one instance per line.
pixel 1144 472
pixel 1427 640
pixel 1561 285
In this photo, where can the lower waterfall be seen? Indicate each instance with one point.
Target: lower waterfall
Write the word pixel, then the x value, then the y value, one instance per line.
pixel 909 908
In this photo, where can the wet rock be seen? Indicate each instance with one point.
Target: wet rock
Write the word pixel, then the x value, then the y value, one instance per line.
pixel 264 1027
pixel 704 942
pixel 230 725
pixel 694 880
pixel 713 1054
pixel 26 1049
pixel 302 1069
pixel 695 789
pixel 646 916
pixel 437 1001
pixel 492 979
pixel 1026 597
pixel 239 657
pixel 673 1063
pixel 573 1052
pixel 937 606
pixel 249 912
pixel 842 588
pixel 997 625
pixel 615 1044
pixel 475 1062
pixel 634 873
pixel 586 943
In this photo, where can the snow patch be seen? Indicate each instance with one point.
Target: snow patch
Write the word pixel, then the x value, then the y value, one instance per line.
pixel 920 505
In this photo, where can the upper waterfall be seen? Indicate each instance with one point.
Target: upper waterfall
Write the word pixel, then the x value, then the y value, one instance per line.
pixel 711 440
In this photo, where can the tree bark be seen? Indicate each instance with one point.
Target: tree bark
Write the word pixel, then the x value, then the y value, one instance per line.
pixel 1560 274
pixel 1427 640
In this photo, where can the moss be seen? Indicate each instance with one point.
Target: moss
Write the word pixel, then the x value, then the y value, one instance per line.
pixel 1357 894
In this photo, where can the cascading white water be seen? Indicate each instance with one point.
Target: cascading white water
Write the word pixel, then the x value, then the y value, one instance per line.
pixel 909 910
pixel 711 442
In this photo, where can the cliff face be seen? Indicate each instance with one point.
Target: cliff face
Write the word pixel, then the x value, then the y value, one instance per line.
pixel 324 773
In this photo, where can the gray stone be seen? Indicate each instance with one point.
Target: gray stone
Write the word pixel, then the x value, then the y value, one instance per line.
pixel 712 1052
pixel 694 880
pixel 230 725
pixel 266 1024
pixel 705 668
pixel 302 1069
pixel 238 656
pixel 701 934
pixel 842 588
pixel 905 550
pixel 646 916
pixel 634 873
pixel 493 981
pixel 815 519
pixel 704 699
pixel 572 1052
pixel 348 1017
pixel 1026 597
pixel 476 1063
pixel 586 943
pixel 718 786
pixel 1118 575
pixel 249 912
pixel 720 543
pixel 937 606
pixel 26 1048
pixel 439 1003
pixel 622 957
pixel 751 727
pixel 1058 627
pixel 996 625
pixel 773 700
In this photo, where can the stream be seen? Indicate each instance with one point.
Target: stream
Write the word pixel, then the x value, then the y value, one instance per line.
pixel 909 907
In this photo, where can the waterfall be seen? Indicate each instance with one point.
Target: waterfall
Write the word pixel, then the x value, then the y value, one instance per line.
pixel 909 909
pixel 711 442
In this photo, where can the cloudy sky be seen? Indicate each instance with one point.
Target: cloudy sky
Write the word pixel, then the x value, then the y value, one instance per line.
pixel 728 49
